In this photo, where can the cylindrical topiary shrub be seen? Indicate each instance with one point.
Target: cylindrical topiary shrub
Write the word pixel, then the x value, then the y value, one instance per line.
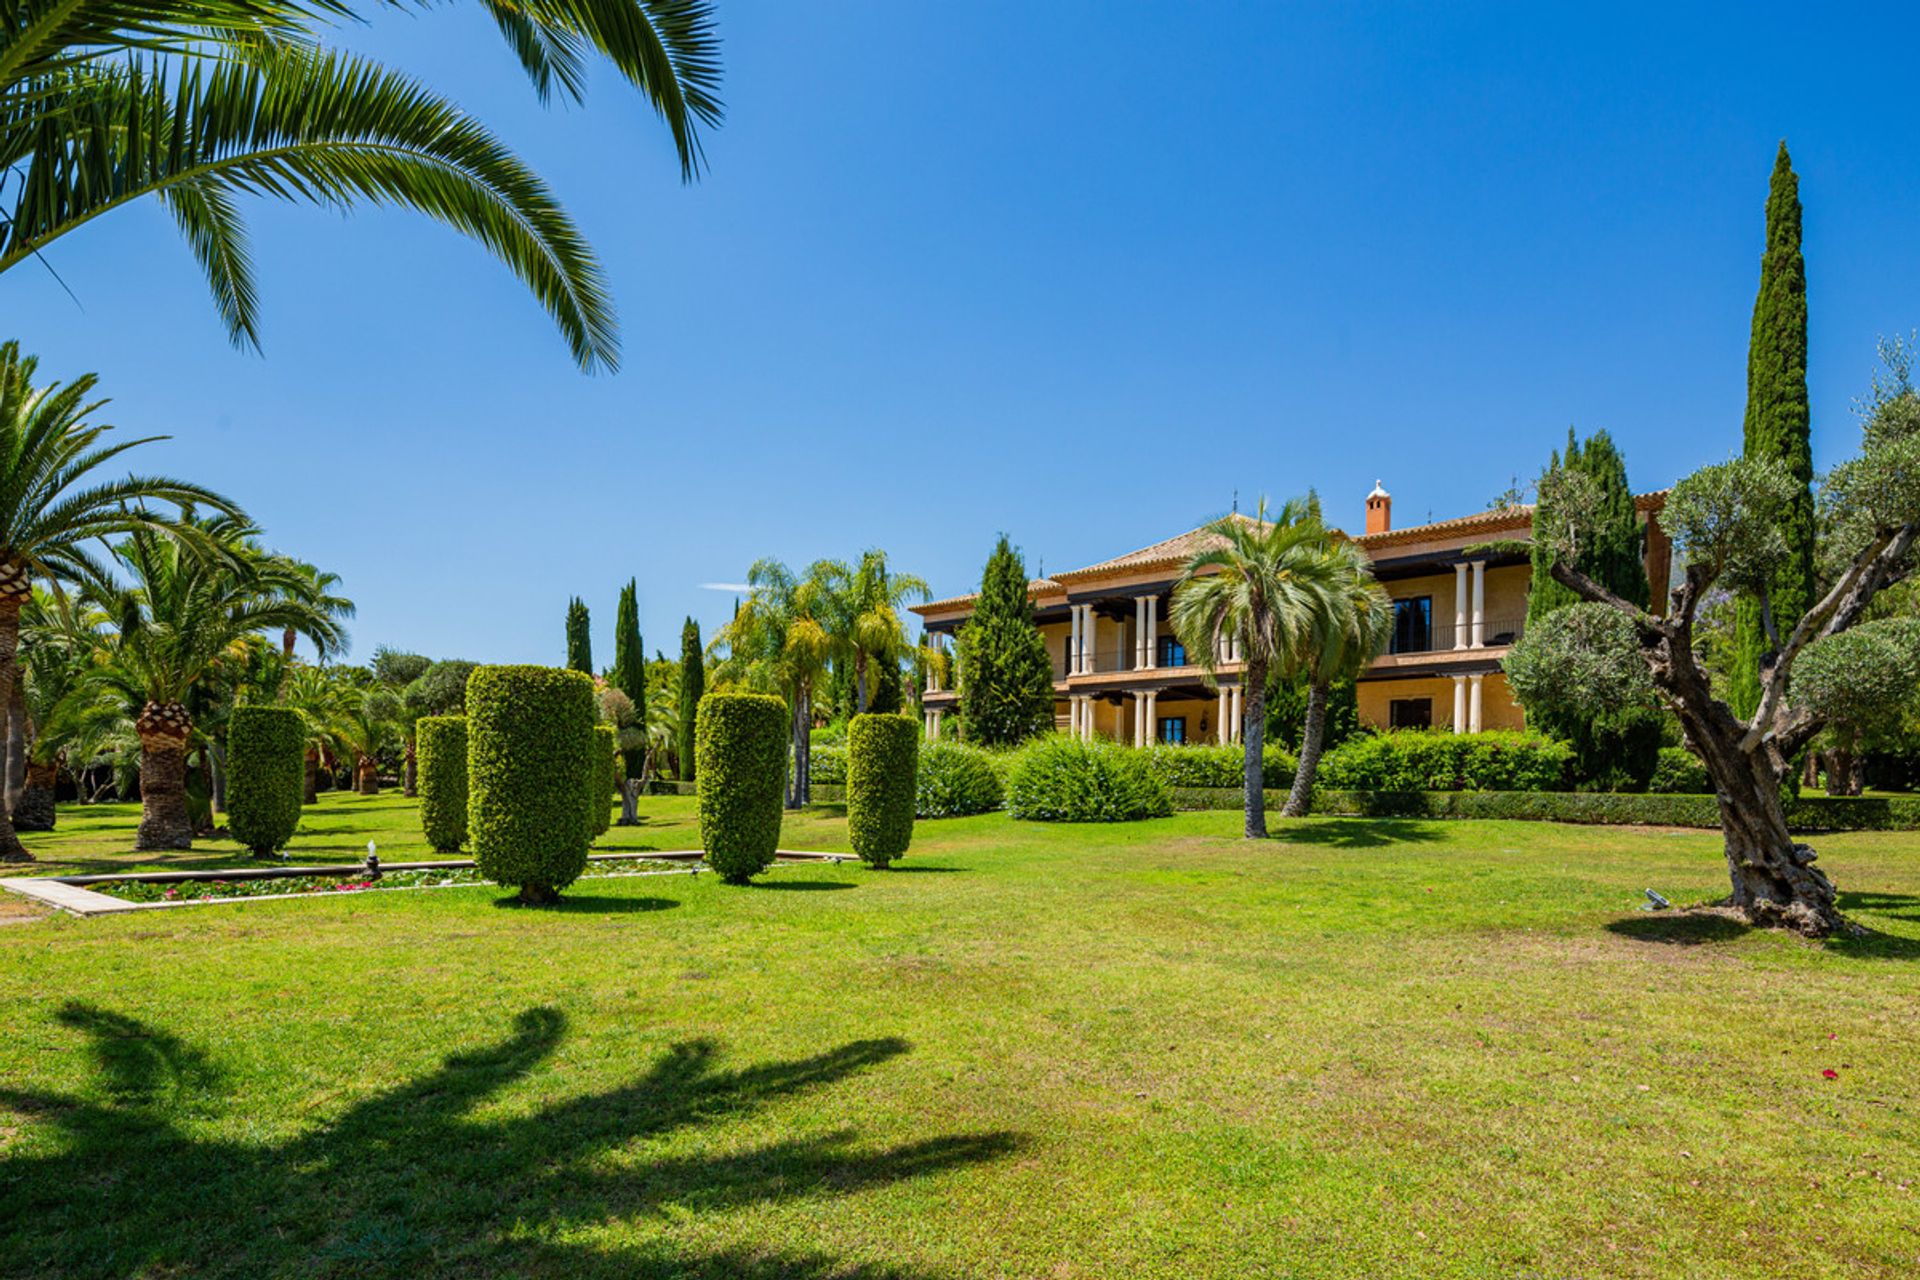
pixel 530 753
pixel 606 765
pixel 882 753
pixel 740 762
pixel 1065 780
pixel 953 780
pixel 266 776
pixel 440 749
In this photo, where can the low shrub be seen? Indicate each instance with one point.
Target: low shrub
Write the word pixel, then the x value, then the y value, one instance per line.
pixel 441 750
pixel 952 780
pixel 1061 779
pixel 827 763
pixel 740 762
pixel 1811 813
pixel 1679 772
pixel 1429 760
pixel 1217 765
pixel 266 776
pixel 530 753
pixel 881 781
pixel 605 775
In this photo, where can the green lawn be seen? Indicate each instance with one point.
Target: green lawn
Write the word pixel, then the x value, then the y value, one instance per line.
pixel 1366 1048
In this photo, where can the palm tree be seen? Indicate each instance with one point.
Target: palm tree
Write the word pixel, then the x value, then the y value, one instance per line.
pixel 69 709
pixel 782 638
pixel 185 612
pixel 872 599
pixel 197 102
pixel 1355 629
pixel 1262 582
pixel 368 727
pixel 321 699
pixel 54 499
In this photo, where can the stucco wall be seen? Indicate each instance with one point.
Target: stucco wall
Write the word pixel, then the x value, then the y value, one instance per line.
pixel 1498 710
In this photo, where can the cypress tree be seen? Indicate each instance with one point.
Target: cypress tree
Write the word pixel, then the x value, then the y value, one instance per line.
pixel 1006 678
pixel 1779 425
pixel 889 695
pixel 579 642
pixel 693 687
pixel 1616 750
pixel 630 667
pixel 1612 552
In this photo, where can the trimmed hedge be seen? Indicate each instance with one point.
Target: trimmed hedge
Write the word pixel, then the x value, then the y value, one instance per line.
pixel 1217 765
pixel 952 780
pixel 1428 760
pixel 827 763
pixel 440 745
pixel 266 776
pixel 1679 772
pixel 881 783
pixel 606 768
pixel 530 752
pixel 740 763
pixel 1810 813
pixel 1065 780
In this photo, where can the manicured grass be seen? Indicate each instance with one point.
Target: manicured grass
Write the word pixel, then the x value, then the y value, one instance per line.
pixel 1366 1048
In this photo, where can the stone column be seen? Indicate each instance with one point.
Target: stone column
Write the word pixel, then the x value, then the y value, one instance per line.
pixel 1473 702
pixel 1479 603
pixel 1460 605
pixel 1233 715
pixel 1139 634
pixel 1073 640
pixel 1152 605
pixel 1152 734
pixel 1459 704
pixel 1220 719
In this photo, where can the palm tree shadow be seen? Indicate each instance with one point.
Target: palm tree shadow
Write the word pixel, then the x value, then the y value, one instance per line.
pixel 1353 833
pixel 582 904
pixel 413 1180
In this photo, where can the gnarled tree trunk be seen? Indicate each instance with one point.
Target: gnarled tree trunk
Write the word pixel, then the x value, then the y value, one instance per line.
pixel 35 812
pixel 164 820
pixel 1774 879
pixel 1311 738
pixel 16 588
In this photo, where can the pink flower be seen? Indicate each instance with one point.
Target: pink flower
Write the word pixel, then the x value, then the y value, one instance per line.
pixel 1831 1074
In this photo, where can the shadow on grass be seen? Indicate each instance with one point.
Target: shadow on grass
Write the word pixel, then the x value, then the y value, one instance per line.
pixel 426 1176
pixel 803 886
pixel 1687 929
pixel 920 868
pixel 575 903
pixel 1350 833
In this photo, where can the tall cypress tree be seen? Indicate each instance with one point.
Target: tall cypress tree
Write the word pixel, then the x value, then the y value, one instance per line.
pixel 1779 425
pixel 579 642
pixel 1614 749
pixel 1006 678
pixel 630 667
pixel 693 687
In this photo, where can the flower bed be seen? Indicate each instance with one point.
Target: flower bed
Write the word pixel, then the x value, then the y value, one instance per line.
pixel 356 882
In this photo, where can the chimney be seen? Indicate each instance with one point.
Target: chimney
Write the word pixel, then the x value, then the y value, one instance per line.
pixel 1379 510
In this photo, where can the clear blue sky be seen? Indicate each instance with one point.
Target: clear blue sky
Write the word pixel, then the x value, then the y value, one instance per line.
pixel 1073 271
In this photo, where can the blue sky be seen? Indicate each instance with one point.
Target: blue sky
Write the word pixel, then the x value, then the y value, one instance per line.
pixel 1074 271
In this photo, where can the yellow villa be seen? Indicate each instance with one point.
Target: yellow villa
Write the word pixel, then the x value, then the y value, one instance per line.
pixel 1121 673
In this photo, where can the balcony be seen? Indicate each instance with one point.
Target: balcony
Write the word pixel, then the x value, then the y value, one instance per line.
pixel 1494 633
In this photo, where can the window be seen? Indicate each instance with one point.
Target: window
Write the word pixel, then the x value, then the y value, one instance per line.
pixel 1410 713
pixel 1172 652
pixel 1413 625
pixel 1173 729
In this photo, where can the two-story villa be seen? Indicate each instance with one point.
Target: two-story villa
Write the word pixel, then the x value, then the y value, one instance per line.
pixel 1459 604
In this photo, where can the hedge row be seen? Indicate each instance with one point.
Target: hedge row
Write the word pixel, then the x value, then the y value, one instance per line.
pixel 266 776
pixel 1217 765
pixel 740 754
pixel 1066 780
pixel 440 744
pixel 881 753
pixel 1427 760
pixel 953 780
pixel 1679 772
pixel 530 754
pixel 1809 813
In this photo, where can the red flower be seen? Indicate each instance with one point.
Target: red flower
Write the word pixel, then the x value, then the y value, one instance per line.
pixel 1831 1074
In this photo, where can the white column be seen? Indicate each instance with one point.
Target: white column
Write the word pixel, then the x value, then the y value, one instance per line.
pixel 933 727
pixel 1139 635
pixel 1220 719
pixel 1152 606
pixel 1460 605
pixel 1233 715
pixel 1073 640
pixel 1479 603
pixel 1473 703
pixel 1152 734
pixel 1090 632
pixel 1459 704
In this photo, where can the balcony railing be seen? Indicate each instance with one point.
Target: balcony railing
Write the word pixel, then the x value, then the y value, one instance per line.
pixel 1439 639
pixel 1110 662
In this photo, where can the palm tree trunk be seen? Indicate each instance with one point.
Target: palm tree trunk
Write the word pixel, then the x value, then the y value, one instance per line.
pixel 797 785
pixel 366 776
pixel 217 760
pixel 35 812
pixel 15 591
pixel 312 795
pixel 1253 678
pixel 410 772
pixel 1311 738
pixel 19 735
pixel 860 681
pixel 164 820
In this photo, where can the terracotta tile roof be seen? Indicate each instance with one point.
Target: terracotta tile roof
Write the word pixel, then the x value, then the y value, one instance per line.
pixel 1035 589
pixel 1519 516
pixel 1175 550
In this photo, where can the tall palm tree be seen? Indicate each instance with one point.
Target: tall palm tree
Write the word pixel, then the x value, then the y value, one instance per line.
pixel 69 709
pixel 197 102
pixel 369 725
pixel 873 598
pixel 782 638
pixel 1354 629
pixel 55 498
pixel 1262 582
pixel 321 698
pixel 184 612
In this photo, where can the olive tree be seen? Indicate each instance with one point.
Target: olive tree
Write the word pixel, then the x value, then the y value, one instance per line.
pixel 1726 522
